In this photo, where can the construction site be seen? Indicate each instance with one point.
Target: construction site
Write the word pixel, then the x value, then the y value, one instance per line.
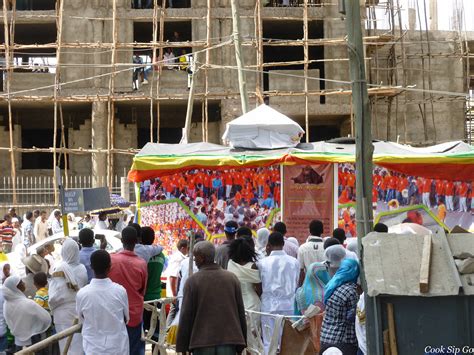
pixel 86 83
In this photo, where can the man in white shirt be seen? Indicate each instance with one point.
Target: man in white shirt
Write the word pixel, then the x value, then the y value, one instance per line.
pixel 41 227
pixel 102 308
pixel 312 251
pixel 56 224
pixel 102 223
pixel 279 273
pixel 172 273
pixel 169 59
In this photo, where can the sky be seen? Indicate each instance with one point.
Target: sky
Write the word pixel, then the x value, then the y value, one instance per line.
pixel 445 16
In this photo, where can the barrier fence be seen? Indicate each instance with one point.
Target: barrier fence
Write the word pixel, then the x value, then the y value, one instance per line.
pixel 38 191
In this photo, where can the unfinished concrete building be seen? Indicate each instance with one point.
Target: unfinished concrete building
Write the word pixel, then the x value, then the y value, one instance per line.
pixel 69 99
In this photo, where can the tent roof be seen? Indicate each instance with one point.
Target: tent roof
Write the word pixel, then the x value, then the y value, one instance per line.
pixel 452 160
pixel 263 127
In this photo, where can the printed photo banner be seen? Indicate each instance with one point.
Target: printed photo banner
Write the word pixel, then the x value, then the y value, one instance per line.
pixel 202 200
pixel 308 192
pixel 449 202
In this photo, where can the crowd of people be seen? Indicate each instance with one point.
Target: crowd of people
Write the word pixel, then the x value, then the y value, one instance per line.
pixel 104 292
pixel 277 279
pixel 261 280
pixel 245 196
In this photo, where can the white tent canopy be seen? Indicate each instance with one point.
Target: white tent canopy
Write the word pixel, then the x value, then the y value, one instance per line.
pixel 263 128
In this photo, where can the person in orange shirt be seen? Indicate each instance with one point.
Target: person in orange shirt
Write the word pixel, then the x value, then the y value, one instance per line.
pixel 384 185
pixel 392 182
pixel 401 186
pixel 441 210
pixel 261 181
pixel 238 196
pixel 449 191
pixel 439 187
pixel 207 182
pixel 377 181
pixel 426 191
pixel 276 195
pixel 344 198
pixel 462 192
pixel 342 180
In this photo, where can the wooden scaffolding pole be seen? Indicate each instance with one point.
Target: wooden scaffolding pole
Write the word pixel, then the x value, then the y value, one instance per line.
pixel 9 71
pixel 205 124
pixel 160 68
pixel 259 38
pixel 404 74
pixel 306 58
pixel 110 103
pixel 57 88
pixel 64 145
pixel 430 80
pixel 153 60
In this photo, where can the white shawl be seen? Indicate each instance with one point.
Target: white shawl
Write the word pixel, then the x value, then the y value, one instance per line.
pixel 63 289
pixel 23 316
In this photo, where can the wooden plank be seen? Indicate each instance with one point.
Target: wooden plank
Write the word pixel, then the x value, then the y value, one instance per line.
pixel 386 342
pixel 425 265
pixel 391 330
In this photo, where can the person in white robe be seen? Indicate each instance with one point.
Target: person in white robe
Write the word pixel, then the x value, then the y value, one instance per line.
pixel 24 317
pixel 102 307
pixel 279 273
pixel 68 277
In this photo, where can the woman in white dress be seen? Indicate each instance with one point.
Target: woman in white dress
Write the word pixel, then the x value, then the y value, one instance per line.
pixel 68 277
pixel 24 317
pixel 242 257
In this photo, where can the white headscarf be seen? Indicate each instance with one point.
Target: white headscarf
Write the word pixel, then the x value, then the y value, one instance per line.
pixel 262 238
pixel 63 289
pixel 23 316
pixel 294 241
pixel 335 254
pixel 51 217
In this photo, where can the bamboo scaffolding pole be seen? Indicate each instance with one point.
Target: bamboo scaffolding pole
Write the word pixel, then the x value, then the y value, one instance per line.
pixel 422 109
pixel 57 80
pixel 306 58
pixel 430 81
pixel 160 68
pixel 259 51
pixel 404 74
pixel 155 35
pixel 205 125
pixel 64 145
pixel 8 60
pixel 110 103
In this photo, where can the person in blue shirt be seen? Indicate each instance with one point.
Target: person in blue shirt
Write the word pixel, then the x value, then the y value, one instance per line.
pixel 217 186
pixel 86 239
pixel 269 201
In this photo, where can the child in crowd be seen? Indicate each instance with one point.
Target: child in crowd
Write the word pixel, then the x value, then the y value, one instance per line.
pixel 41 283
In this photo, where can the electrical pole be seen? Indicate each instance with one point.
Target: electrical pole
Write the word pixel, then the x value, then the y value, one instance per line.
pixel 364 154
pixel 238 55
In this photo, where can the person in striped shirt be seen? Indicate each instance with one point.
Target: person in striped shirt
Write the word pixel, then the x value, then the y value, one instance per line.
pixel 41 283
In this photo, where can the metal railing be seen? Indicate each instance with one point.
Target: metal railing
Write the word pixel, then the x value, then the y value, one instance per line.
pixel 158 318
pixel 38 191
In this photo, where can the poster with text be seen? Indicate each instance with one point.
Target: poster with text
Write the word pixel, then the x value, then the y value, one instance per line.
pixel 308 192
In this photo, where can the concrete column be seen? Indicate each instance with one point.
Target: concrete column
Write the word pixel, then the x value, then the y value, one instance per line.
pixel 99 140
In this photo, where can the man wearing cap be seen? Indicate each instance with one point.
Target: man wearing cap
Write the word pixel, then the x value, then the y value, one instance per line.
pixel 33 264
pixel 222 251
